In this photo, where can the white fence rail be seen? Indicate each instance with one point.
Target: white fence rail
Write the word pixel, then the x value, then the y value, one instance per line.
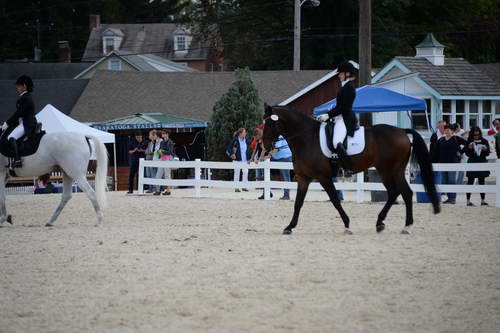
pixel 359 185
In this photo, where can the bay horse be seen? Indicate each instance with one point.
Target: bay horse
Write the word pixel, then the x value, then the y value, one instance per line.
pixel 387 148
pixel 69 152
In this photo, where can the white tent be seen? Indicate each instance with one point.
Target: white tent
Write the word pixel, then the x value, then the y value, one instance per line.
pixel 54 121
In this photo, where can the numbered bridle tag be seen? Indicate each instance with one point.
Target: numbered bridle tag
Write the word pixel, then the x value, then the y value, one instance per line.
pixel 274 117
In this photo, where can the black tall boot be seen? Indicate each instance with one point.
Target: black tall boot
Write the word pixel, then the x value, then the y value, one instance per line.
pixel 17 161
pixel 345 160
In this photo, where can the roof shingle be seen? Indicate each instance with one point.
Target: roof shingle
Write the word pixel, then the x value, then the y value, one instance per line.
pixel 114 94
pixel 457 77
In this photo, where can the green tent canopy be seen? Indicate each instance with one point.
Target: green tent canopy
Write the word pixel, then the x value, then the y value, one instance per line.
pixel 149 121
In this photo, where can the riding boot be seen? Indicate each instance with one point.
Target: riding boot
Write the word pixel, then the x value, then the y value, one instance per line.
pixel 13 146
pixel 345 160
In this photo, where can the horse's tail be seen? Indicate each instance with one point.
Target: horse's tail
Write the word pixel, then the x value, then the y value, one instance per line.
pixel 421 155
pixel 101 155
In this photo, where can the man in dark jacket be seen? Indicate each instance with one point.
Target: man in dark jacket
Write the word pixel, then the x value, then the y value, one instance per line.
pixel 23 121
pixel 345 119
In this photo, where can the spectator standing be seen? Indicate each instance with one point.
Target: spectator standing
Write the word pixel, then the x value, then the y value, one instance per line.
pixel 434 140
pixel 136 151
pixel 258 148
pixel 477 149
pixel 463 157
pixel 150 152
pixel 239 150
pixel 448 151
pixel 282 153
pixel 166 153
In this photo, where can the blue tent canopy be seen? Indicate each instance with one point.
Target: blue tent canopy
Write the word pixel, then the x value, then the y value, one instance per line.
pixel 377 99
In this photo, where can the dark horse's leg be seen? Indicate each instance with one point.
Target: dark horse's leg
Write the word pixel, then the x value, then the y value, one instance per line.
pixel 334 198
pixel 395 184
pixel 302 186
pixel 407 195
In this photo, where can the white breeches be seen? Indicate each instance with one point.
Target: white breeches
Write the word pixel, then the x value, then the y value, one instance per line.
pixel 244 177
pixel 17 133
pixel 339 131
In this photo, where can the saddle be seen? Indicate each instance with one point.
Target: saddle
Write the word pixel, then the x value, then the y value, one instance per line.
pixel 329 136
pixel 26 145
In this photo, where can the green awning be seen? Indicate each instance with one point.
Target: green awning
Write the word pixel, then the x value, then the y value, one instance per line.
pixel 149 121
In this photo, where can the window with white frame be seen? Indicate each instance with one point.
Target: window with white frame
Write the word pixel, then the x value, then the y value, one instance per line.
pixel 488 114
pixel 459 112
pixel 115 65
pixel 180 43
pixel 109 44
pixel 418 117
pixel 446 114
pixel 473 114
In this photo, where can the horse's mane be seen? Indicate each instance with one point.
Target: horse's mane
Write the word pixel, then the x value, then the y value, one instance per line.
pixel 296 115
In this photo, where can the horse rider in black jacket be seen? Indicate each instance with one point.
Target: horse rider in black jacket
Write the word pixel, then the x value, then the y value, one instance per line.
pixel 23 120
pixel 345 119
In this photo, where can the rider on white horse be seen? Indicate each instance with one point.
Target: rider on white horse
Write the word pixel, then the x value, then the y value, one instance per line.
pixel 23 120
pixel 345 119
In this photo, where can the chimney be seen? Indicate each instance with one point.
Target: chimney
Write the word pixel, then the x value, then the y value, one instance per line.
pixel 431 50
pixel 64 51
pixel 94 21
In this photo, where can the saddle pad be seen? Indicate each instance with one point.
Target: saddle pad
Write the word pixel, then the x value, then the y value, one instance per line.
pixel 25 148
pixel 355 145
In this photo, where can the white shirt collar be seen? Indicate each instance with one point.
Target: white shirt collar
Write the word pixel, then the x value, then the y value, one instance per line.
pixel 24 92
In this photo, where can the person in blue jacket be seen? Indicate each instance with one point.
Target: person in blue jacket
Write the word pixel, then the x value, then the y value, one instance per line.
pixel 239 150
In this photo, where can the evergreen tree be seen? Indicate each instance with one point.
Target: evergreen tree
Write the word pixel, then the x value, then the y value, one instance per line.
pixel 239 107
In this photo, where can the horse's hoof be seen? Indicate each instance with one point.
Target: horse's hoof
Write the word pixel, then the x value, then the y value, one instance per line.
pixel 287 232
pixel 49 225
pixel 380 227
pixel 347 232
pixel 9 219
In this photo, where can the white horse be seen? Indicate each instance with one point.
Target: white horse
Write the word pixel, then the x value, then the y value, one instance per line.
pixel 71 153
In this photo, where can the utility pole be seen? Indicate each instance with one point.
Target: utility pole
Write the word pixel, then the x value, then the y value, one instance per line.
pixel 296 37
pixel 365 51
pixel 38 48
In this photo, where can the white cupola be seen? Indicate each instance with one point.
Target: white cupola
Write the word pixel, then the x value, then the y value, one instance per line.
pixel 431 50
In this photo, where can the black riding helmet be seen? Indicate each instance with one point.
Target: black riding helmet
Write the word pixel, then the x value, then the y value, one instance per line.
pixel 25 80
pixel 346 67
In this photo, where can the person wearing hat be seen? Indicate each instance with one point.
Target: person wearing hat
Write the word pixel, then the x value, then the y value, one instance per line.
pixel 23 120
pixel 345 119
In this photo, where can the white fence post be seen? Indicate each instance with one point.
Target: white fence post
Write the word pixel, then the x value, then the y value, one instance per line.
pixel 267 179
pixel 360 193
pixel 140 181
pixel 497 177
pixel 197 179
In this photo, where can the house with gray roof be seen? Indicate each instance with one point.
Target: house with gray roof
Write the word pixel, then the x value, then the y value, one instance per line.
pixel 166 40
pixel 455 90
pixel 121 60
pixel 62 94
pixel 114 94
pixel 42 71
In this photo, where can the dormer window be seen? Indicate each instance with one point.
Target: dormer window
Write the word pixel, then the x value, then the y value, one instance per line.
pixel 111 40
pixel 109 44
pixel 180 43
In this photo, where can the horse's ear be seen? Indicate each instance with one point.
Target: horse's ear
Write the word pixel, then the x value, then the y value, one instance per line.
pixel 267 109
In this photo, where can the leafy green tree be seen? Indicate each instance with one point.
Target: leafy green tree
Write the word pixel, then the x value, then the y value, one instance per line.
pixel 239 107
